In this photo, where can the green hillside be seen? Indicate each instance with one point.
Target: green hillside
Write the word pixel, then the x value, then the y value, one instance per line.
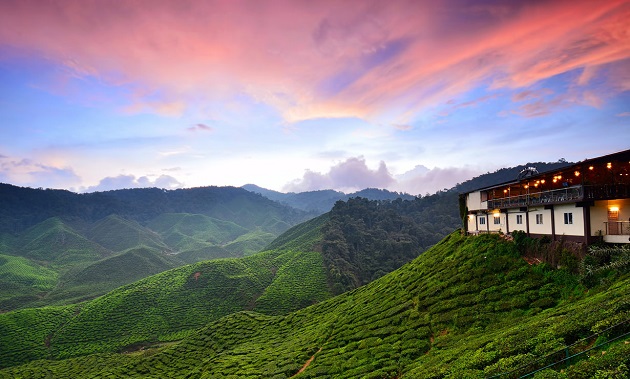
pixel 23 281
pixel 54 242
pixel 118 234
pixel 468 307
pixel 197 227
pixel 168 306
pixel 111 273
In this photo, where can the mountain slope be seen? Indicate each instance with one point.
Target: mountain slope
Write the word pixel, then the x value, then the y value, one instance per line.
pixel 468 307
pixel 167 306
pixel 23 281
pixel 118 234
pixel 21 208
pixel 54 242
pixel 67 232
pixel 111 273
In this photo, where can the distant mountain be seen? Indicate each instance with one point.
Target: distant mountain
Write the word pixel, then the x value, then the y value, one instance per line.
pixel 141 231
pixel 322 201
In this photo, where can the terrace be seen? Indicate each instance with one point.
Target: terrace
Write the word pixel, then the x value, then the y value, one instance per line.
pixel 557 196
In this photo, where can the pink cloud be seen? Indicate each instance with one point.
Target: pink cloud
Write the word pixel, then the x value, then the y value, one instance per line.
pixel 318 59
pixel 28 172
pixel 350 175
pixel 200 127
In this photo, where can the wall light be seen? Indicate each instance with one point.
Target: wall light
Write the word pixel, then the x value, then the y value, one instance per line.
pixel 609 165
pixel 577 173
pixel 543 181
pixel 590 168
pixel 614 209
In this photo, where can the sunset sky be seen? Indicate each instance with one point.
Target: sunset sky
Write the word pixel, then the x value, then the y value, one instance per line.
pixel 411 96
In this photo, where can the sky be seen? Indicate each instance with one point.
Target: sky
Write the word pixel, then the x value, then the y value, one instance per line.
pixel 412 96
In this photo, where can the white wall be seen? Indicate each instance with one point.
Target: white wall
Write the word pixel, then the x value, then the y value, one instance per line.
pixel 512 221
pixel 473 201
pixel 545 227
pixel 575 229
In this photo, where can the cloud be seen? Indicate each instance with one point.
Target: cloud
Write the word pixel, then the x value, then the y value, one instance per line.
pixel 353 174
pixel 200 127
pixel 402 126
pixel 28 172
pixel 421 180
pixel 359 60
pixel 131 181
pixel 624 114
pixel 350 175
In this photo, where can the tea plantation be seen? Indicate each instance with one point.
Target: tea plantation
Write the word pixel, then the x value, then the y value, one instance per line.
pixel 468 307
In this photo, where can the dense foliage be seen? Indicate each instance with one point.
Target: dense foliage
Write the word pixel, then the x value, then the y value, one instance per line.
pixel 365 239
pixel 468 307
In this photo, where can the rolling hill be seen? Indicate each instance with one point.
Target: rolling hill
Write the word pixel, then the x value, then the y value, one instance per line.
pixel 68 233
pixel 468 307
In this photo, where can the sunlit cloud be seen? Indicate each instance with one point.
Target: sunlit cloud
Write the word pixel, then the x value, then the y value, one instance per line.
pixel 346 60
pixel 350 175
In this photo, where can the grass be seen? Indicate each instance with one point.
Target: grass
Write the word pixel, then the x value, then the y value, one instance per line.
pixel 173 304
pixel 22 280
pixel 468 307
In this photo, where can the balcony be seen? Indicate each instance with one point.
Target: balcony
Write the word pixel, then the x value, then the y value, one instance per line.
pixel 617 232
pixel 563 195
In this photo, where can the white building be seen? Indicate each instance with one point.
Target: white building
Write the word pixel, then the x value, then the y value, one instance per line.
pixel 584 202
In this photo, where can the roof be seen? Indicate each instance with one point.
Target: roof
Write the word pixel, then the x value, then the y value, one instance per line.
pixel 621 155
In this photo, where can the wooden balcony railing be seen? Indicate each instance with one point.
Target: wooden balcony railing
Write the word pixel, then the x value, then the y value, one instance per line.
pixel 575 193
pixel 563 195
pixel 617 228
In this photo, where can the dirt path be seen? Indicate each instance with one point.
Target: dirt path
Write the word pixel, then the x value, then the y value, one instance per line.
pixel 308 363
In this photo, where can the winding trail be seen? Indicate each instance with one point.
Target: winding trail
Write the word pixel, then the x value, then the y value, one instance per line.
pixel 308 363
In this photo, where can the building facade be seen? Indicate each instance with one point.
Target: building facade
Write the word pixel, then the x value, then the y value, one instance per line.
pixel 583 202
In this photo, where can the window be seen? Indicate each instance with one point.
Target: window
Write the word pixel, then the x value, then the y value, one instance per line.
pixel 539 219
pixel 568 218
pixel 482 220
pixel 497 220
pixel 519 219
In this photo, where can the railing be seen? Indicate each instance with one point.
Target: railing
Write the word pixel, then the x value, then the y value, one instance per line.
pixel 617 228
pixel 575 193
pixel 606 191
